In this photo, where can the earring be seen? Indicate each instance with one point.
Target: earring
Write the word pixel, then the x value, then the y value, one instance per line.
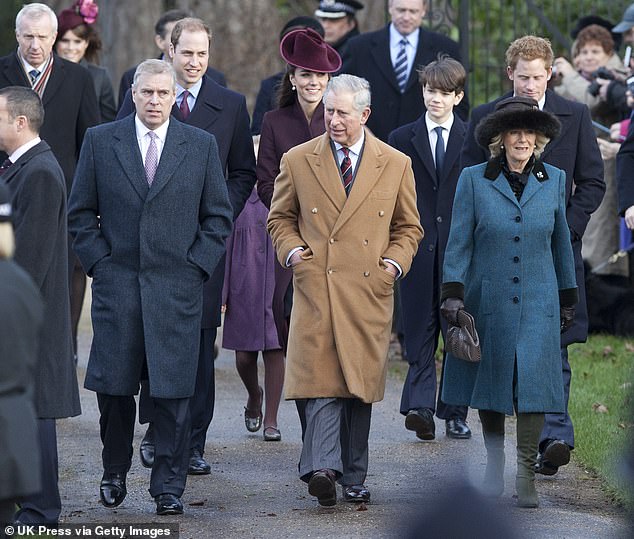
pixel 293 87
pixel 501 146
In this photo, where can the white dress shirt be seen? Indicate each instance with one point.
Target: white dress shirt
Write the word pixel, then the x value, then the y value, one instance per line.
pixel 23 149
pixel 144 140
pixel 433 136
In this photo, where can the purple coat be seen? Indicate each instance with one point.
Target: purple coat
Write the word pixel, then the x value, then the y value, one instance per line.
pixel 249 282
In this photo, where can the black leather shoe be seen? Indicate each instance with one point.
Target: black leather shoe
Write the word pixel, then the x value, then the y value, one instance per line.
pixel 146 450
pixel 197 464
pixel 556 453
pixel 168 504
pixel 421 421
pixel 322 486
pixel 457 428
pixel 112 489
pixel 356 493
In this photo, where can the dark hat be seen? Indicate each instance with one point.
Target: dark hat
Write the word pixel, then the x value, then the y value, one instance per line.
pixel 516 113
pixel 335 9
pixel 81 12
pixel 583 22
pixel 627 22
pixel 302 22
pixel 5 203
pixel 306 49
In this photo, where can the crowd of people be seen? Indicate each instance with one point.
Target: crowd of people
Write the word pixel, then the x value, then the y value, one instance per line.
pixel 308 226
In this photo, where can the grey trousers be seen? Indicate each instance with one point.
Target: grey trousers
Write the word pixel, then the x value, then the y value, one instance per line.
pixel 336 438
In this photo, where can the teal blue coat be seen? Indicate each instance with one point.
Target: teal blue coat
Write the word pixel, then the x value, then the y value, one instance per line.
pixel 513 258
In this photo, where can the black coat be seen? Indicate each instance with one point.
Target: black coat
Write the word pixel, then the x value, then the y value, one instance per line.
pixel 576 152
pixel 148 249
pixel 625 172
pixel 103 90
pixel 38 197
pixel 223 113
pixel 265 101
pixel 21 316
pixel 70 107
pixel 368 56
pixel 434 200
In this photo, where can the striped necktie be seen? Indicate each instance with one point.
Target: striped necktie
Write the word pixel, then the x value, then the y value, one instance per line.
pixel 346 170
pixel 33 75
pixel 400 67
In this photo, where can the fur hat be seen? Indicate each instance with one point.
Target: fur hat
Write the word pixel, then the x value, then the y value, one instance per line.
pixel 516 113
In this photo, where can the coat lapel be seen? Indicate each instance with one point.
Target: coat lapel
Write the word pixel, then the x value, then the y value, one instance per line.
pixel 531 188
pixel 323 165
pixel 381 54
pixel 174 151
pixel 207 109
pixel 454 144
pixel 420 141
pixel 560 108
pixel 126 148
pixel 58 74
pixel 501 184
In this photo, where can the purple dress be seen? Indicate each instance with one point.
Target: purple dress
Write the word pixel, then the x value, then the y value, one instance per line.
pixel 249 283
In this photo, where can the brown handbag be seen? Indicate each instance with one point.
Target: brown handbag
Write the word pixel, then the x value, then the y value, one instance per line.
pixel 462 340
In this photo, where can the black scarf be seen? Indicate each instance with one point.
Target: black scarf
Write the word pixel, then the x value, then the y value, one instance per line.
pixel 517 180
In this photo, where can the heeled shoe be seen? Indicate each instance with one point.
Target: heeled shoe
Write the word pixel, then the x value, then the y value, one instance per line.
pixel 253 422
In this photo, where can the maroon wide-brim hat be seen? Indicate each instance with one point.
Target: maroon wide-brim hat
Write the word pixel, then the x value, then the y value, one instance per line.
pixel 306 49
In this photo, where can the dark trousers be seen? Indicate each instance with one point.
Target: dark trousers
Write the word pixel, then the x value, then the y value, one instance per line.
pixel 419 389
pixel 202 401
pixel 172 426
pixel 559 426
pixel 45 506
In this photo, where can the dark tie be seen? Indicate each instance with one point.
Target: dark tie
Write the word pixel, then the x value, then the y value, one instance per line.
pixel 440 150
pixel 184 107
pixel 34 74
pixel 151 158
pixel 346 170
pixel 400 67
pixel 5 166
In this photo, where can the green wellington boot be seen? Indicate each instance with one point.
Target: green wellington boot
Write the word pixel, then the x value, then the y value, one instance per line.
pixel 493 432
pixel 529 428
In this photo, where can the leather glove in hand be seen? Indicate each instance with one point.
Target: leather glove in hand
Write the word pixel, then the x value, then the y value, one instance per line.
pixel 449 309
pixel 567 316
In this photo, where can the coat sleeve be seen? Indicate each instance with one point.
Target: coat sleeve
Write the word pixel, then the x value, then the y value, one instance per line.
pixel 215 215
pixel 283 221
pixel 625 172
pixel 405 228
pixel 459 249
pixel 560 243
pixel 83 210
pixel 268 166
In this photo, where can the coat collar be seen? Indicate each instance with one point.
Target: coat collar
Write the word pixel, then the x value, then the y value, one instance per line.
pixel 494 169
pixel 39 148
pixel 537 176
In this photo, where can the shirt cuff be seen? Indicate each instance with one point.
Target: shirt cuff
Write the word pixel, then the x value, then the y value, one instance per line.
pixel 397 265
pixel 293 251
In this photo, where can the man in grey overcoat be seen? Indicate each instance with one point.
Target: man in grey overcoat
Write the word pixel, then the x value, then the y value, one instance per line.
pixel 38 196
pixel 149 212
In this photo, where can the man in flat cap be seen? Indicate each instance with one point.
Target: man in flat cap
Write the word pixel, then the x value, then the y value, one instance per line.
pixel 339 19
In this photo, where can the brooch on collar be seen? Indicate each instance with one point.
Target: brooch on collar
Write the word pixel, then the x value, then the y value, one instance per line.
pixel 540 174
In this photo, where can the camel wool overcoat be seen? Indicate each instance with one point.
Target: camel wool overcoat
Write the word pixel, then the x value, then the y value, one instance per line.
pixel 343 295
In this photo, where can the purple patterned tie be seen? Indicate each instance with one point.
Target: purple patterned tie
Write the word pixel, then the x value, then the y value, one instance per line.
pixel 346 170
pixel 184 106
pixel 5 166
pixel 151 158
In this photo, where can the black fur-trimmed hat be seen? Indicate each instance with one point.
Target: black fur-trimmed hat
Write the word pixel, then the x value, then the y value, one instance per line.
pixel 516 113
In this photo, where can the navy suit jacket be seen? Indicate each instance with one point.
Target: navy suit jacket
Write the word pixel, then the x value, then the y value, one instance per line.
pixel 434 200
pixel 368 56
pixel 223 113
pixel 576 152
pixel 70 107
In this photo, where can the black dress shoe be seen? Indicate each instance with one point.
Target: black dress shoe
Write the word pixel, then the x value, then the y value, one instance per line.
pixel 457 428
pixel 112 489
pixel 168 504
pixel 146 450
pixel 356 493
pixel 421 421
pixel 556 453
pixel 197 464
pixel 322 486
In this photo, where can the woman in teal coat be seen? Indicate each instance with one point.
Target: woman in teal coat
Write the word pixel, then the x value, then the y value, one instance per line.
pixel 509 262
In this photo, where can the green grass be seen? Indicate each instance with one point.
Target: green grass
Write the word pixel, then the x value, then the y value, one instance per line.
pixel 601 407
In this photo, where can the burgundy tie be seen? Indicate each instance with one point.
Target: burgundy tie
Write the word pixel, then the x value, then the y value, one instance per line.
pixel 184 107
pixel 346 170
pixel 5 166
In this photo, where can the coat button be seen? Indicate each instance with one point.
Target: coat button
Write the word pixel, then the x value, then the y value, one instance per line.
pixel 381 213
pixel 516 299
pixel 314 210
pixel 516 259
pixel 517 218
pixel 430 248
pixel 439 219
pixel 331 240
pixel 516 238
pixel 329 271
pixel 366 273
pixel 516 279
pixel 365 242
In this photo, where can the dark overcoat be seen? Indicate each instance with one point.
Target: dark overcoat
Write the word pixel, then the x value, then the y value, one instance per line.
pixel 21 316
pixel 103 90
pixel 38 195
pixel 368 56
pixel 624 172
pixel 148 250
pixel 434 200
pixel 223 113
pixel 70 107
pixel 513 258
pixel 265 101
pixel 576 152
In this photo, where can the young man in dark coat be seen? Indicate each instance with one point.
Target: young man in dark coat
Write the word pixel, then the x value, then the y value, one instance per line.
pixel 399 48
pixel 436 169
pixel 38 192
pixel 529 65
pixel 149 212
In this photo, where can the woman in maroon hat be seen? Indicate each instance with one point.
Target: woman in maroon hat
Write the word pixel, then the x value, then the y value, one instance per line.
pixel 299 118
pixel 78 41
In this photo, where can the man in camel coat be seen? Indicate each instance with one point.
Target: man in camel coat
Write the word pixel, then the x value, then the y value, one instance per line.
pixel 344 217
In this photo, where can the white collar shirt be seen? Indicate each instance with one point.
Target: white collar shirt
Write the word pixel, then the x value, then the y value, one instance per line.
pixel 433 136
pixel 144 140
pixel 23 149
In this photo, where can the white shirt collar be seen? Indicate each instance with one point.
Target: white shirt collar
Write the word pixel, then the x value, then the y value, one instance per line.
pixel 431 125
pixel 142 130
pixel 28 67
pixel 356 147
pixel 193 90
pixel 23 149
